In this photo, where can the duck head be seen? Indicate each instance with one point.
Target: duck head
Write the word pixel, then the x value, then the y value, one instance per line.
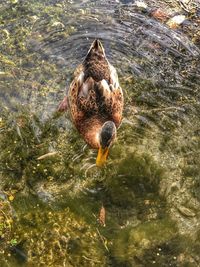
pixel 106 137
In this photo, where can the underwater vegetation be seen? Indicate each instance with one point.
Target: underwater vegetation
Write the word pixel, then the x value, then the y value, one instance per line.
pixel 51 192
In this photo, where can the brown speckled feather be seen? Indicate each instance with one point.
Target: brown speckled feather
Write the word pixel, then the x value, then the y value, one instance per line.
pixel 95 97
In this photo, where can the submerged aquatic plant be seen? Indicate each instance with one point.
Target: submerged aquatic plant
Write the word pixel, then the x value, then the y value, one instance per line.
pixel 52 192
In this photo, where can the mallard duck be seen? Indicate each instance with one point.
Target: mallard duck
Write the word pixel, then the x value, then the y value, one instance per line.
pixel 95 101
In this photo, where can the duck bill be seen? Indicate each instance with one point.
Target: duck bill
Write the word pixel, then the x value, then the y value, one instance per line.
pixel 102 156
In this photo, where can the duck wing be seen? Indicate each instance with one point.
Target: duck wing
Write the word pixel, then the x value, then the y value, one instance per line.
pixel 116 94
pixel 91 97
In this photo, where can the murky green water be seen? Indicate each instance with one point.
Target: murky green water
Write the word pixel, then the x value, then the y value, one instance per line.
pixel 150 188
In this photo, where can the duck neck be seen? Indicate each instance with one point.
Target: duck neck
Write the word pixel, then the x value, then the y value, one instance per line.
pixel 90 130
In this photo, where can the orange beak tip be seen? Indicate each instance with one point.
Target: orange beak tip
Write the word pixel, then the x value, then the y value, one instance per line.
pixel 102 156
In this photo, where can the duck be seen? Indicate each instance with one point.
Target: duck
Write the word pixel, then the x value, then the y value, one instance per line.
pixel 95 101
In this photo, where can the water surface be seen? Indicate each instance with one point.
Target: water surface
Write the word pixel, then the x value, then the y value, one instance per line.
pixel 150 186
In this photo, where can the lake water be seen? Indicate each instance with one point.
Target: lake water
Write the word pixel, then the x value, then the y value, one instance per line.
pixel 49 208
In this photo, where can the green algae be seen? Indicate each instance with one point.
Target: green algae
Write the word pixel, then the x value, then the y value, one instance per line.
pixel 25 140
pixel 154 243
pixel 132 172
pixel 132 242
pixel 129 188
pixel 6 223
pixel 152 168
pixel 58 237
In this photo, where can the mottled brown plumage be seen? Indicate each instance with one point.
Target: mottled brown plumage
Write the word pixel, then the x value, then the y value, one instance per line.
pixel 95 96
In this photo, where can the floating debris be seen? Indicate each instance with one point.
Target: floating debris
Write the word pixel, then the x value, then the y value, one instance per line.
pixel 11 198
pixel 50 154
pixel 174 22
pixel 160 14
pixel 58 24
pixel 141 4
pixel 186 212
pixel 102 216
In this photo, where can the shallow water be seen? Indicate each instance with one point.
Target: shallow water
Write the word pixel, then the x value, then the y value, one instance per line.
pixel 150 186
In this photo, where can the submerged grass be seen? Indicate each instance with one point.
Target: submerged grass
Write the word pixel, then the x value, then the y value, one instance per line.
pixel 51 192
